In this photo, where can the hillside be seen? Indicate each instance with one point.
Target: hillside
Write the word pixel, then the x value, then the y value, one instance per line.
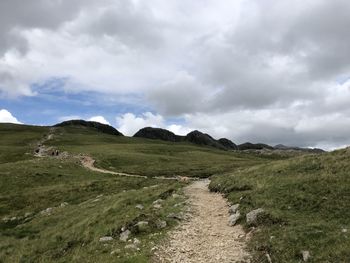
pixel 306 201
pixel 54 210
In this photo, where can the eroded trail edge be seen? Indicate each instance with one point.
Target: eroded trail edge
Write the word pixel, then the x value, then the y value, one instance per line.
pixel 206 236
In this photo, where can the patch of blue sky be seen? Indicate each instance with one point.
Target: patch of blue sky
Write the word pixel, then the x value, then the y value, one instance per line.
pixel 51 102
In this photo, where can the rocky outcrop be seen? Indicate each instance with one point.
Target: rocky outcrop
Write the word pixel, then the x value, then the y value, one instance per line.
pixel 254 146
pixel 289 148
pixel 228 144
pixel 158 133
pixel 204 139
pixel 104 128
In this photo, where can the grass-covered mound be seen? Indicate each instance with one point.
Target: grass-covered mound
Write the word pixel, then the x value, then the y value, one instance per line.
pixel 307 206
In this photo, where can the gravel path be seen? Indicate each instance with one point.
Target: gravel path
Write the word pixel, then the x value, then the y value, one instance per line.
pixel 206 236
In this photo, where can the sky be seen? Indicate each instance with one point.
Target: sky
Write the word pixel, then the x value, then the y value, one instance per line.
pixel 249 70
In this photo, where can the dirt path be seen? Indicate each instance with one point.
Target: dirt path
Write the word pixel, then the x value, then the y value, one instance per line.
pixel 206 237
pixel 88 163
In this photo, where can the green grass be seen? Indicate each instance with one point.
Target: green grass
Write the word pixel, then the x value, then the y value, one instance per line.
pixel 150 157
pixel 71 233
pixel 307 203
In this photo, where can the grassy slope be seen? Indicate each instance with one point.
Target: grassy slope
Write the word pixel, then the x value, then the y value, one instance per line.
pixel 71 233
pixel 307 200
pixel 150 157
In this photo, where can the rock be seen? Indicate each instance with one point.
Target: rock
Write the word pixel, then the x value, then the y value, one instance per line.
pixel 176 195
pixel 64 204
pixel 132 247
pixel 306 255
pixel 142 226
pixel 233 209
pixel 13 218
pixel 136 242
pixel 141 207
pixel 47 211
pixel 106 239
pixel 157 206
pixel 344 230
pixel 116 251
pixel 161 224
pixel 232 220
pixel 28 214
pixel 252 216
pixel 158 201
pixel 175 216
pixel 125 235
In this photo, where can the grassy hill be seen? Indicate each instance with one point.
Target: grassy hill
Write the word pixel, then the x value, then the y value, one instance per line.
pixel 307 206
pixel 54 210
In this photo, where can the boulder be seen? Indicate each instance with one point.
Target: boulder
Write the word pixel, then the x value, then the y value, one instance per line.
pixel 106 239
pixel 161 224
pixel 141 207
pixel 124 236
pixel 232 220
pixel 305 255
pixel 142 226
pixel 252 216
pixel 233 209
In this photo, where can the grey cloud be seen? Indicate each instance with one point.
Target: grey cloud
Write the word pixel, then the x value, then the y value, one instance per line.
pixel 17 14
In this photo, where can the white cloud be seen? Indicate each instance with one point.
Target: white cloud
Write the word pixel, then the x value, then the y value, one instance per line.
pixel 247 70
pixel 99 119
pixel 7 117
pixel 129 123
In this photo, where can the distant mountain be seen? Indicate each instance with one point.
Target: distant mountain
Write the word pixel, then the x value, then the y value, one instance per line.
pixel 310 150
pixel 200 138
pixel 254 146
pixel 104 128
pixel 158 133
pixel 228 144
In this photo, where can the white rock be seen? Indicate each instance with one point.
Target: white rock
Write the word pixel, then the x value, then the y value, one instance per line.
pixel 106 239
pixel 139 206
pixel 136 241
pixel 125 235
pixel 252 216
pixel 157 206
pixel 158 201
pixel 306 255
pixel 132 247
pixel 47 211
pixel 63 204
pixel 232 220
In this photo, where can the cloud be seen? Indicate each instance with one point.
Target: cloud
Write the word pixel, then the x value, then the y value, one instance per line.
pixel 129 123
pixel 7 117
pixel 254 70
pixel 99 119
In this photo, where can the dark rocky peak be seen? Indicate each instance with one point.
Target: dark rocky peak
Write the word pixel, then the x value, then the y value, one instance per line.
pixel 104 128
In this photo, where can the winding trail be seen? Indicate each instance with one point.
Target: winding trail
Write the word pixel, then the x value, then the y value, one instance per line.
pixel 206 237
pixel 88 163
